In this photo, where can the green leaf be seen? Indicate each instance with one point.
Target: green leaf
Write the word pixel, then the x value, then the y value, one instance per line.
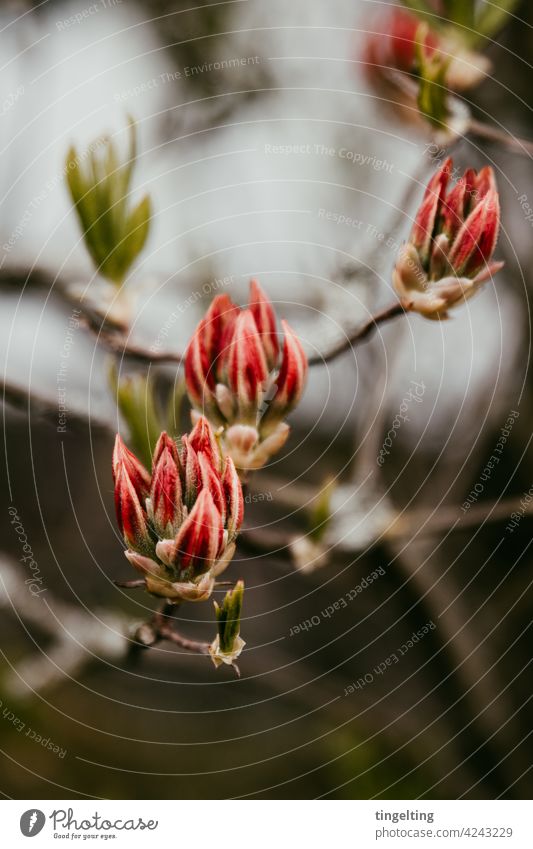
pixel 320 513
pixel 135 397
pixel 99 184
pixel 174 407
pixel 137 226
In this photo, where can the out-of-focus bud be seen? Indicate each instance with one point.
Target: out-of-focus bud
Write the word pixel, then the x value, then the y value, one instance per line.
pixel 237 377
pixel 99 181
pixel 396 39
pixel 182 536
pixel 227 645
pixel 449 252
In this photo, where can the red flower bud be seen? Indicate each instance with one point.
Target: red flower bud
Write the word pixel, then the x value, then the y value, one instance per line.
pixel 194 508
pixel 231 366
pixel 210 479
pixel 132 484
pixel 291 378
pixel 265 320
pixel 124 458
pixel 198 542
pixel 476 240
pixel 205 356
pixel 234 500
pixel 425 222
pixel 131 515
pixel 202 439
pixel 165 494
pixel 247 367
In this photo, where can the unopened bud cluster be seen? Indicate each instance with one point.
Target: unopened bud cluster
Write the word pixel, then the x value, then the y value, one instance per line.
pixel 180 522
pixel 238 377
pixel 449 251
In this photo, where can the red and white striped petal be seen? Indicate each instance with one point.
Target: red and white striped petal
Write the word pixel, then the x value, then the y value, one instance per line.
pixel 165 494
pixel 210 479
pixel 125 459
pixel 291 378
pixel 202 439
pixel 234 498
pixel 476 240
pixel 426 218
pixel 265 319
pixel 247 369
pixel 190 471
pixel 131 515
pixel 199 539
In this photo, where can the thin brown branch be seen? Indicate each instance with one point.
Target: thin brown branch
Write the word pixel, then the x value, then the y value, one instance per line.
pixel 162 623
pixel 358 335
pixel 161 627
pixel 524 147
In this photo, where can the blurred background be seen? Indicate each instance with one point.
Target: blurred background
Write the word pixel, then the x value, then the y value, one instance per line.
pixel 259 132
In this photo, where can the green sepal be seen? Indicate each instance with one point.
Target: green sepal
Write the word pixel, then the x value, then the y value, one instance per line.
pixel 228 616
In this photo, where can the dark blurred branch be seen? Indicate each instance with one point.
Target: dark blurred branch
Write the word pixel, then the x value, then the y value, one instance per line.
pixel 20 398
pixel 502 137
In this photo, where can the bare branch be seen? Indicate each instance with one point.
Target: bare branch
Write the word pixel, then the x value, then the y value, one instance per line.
pixel 358 335
pixel 160 627
pixel 512 143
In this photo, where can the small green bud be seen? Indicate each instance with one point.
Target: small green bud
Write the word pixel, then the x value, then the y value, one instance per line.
pixel 227 645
